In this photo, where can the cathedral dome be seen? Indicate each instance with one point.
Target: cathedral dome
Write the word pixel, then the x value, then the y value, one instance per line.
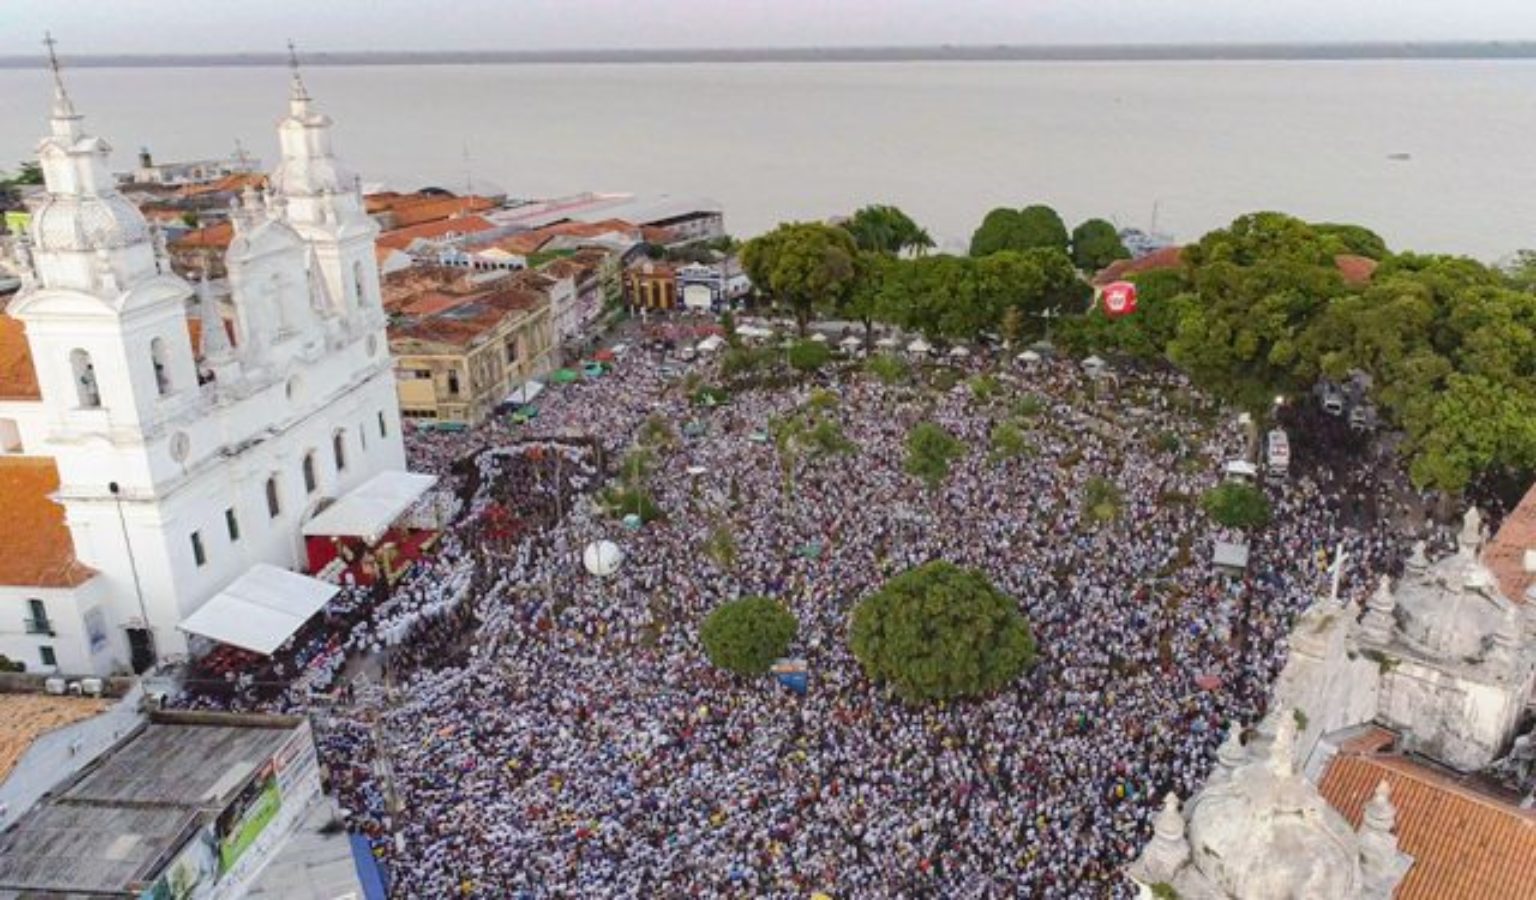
pixel 88 222
pixel 1450 610
pixel 1266 834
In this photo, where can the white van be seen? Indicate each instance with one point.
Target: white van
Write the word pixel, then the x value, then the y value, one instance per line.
pixel 1278 451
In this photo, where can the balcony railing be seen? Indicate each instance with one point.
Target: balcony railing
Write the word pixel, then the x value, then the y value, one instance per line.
pixel 34 625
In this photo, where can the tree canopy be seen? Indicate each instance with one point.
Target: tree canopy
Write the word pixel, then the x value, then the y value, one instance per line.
pixel 940 632
pixel 745 636
pixel 1095 244
pixel 1236 505
pixel 804 265
pixel 888 231
pixel 1020 229
pixel 930 450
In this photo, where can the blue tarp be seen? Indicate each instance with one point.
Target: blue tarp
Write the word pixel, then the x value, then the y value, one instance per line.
pixel 375 884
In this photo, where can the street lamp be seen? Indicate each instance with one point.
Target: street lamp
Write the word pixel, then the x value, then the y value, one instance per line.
pixel 133 567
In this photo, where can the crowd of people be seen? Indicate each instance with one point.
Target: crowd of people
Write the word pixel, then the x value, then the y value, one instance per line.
pixel 547 732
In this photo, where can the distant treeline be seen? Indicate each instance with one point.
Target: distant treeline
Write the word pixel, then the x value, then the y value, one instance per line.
pixel 1058 53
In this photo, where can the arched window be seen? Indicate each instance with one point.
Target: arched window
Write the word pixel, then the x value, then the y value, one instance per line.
pixel 162 366
pixel 274 503
pixel 84 371
pixel 357 284
pixel 339 450
pixel 309 472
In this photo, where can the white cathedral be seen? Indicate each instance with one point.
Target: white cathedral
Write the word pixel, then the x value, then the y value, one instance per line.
pixel 191 437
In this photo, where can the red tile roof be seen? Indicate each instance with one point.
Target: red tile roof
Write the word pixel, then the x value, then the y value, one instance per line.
pixel 1356 270
pixel 1505 554
pixel 401 238
pixel 1464 844
pixel 39 551
pixel 229 184
pixel 1156 261
pixel 18 378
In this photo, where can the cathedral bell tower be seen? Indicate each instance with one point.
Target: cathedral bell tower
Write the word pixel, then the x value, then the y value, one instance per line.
pixel 323 202
pixel 105 316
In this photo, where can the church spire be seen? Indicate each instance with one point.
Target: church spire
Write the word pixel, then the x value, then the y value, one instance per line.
pixel 298 94
pixel 66 122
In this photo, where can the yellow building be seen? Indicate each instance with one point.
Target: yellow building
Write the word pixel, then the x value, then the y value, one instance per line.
pixel 460 360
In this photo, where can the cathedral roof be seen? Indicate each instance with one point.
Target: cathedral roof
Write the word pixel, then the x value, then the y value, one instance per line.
pixel 18 378
pixel 1463 843
pixel 1506 553
pixel 39 551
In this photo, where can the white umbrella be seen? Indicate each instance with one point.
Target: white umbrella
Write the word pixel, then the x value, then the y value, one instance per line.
pixel 919 346
pixel 602 558
pixel 819 338
pixel 852 342
pixel 959 352
pixel 1028 356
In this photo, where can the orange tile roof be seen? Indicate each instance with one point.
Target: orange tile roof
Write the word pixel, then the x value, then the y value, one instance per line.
pixel 524 244
pixel 1505 554
pixel 26 717
pixel 39 551
pixel 195 332
pixel 416 210
pixel 1464 844
pixel 401 238
pixel 18 378
pixel 229 184
pixel 215 236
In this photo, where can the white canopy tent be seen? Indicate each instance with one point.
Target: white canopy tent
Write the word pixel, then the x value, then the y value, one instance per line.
pixel 372 507
pixel 1241 470
pixel 1028 356
pixel 261 609
pixel 1230 556
pixel 959 352
pixel 851 342
pixel 527 392
pixel 920 347
pixel 710 344
pixel 754 332
pixel 819 338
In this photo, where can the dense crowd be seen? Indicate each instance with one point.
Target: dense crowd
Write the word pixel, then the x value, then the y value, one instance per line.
pixel 551 733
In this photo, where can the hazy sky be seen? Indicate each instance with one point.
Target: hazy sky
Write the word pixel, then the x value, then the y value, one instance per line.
pixel 170 26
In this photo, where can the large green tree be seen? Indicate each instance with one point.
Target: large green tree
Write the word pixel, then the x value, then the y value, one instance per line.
pixel 745 636
pixel 804 265
pixel 1095 244
pixel 888 231
pixel 930 451
pixel 940 632
pixel 1023 229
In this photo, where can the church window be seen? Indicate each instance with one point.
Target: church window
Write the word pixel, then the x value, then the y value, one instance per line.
pixel 357 283
pixel 46 654
pixel 339 450
pixel 232 524
pixel 198 556
pixel 162 366
pixel 86 389
pixel 383 429
pixel 309 472
pixel 453 383
pixel 274 504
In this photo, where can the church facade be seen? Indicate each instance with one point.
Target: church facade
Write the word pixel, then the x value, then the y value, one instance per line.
pixel 192 436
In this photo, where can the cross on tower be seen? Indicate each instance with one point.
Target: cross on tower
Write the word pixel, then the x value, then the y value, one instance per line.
pixel 298 92
pixel 53 58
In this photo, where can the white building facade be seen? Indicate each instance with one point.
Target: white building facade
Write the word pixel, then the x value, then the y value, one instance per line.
pixel 180 465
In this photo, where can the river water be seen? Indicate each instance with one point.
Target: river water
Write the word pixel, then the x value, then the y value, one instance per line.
pixel 1193 144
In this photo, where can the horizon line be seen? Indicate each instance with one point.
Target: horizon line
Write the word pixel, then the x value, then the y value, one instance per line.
pixel 1449 49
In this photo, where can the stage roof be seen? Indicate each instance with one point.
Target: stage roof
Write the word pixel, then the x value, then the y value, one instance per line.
pixel 261 609
pixel 369 510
